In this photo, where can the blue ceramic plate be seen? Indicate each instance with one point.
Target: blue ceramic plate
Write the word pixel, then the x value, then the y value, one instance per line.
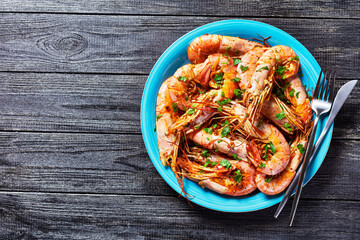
pixel 176 56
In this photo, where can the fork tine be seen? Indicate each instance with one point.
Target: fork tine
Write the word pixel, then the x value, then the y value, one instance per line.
pixel 332 88
pixel 327 90
pixel 323 87
pixel 317 88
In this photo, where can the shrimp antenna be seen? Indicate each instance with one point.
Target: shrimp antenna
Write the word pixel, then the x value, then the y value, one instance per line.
pixel 263 40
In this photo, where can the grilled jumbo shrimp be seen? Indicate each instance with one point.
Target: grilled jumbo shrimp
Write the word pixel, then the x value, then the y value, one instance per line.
pixel 276 184
pixel 165 118
pixel 200 110
pixel 237 179
pixel 207 44
pixel 280 59
pixel 298 99
pixel 267 132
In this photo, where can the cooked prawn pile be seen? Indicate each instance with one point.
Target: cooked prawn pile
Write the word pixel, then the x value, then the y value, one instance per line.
pixel 236 118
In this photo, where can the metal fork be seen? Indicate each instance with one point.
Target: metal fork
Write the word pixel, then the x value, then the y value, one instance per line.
pixel 322 101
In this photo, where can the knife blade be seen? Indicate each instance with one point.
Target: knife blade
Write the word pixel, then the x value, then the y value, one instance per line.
pixel 340 98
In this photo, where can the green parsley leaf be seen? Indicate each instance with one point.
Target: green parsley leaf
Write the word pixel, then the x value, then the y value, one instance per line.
pixel 268 179
pixel 158 116
pixel 174 107
pixel 197 127
pixel 262 165
pixel 205 153
pixel 236 61
pixel 288 127
pixel 220 109
pixel 259 70
pixel 228 48
pixel 301 148
pixel 291 92
pixel 225 123
pixel 191 111
pixel 237 92
pixel 280 116
pixel 209 162
pixel 182 78
pixel 226 164
pixel 243 68
pixel 237 176
pixel 236 157
pixel 224 102
pixel 260 123
pixel 296 58
pixel 214 125
pixel 219 78
pixel 186 98
pixel 272 147
pixel 225 131
pixel 280 71
pixel 222 94
pixel 208 130
pixel 297 94
pixel 235 79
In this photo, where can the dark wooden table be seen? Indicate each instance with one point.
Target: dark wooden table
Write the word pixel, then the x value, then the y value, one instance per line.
pixel 72 160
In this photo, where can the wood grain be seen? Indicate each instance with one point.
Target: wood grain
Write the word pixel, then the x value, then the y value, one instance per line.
pixel 132 44
pixel 231 8
pixel 100 104
pixel 74 216
pixel 119 164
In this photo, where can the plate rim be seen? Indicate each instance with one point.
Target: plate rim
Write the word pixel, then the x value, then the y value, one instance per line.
pixel 143 114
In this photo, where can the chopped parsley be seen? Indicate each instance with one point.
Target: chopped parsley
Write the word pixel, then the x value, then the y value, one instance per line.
pixel 265 68
pixel 225 163
pixel 181 78
pixel 301 148
pixel 269 179
pixel 175 107
pixel 225 123
pixel 228 48
pixel 288 127
pixel 260 123
pixel 224 102
pixel 236 61
pixel 237 178
pixel 205 153
pixel 219 78
pixel 280 71
pixel 220 109
pixel 291 92
pixel 238 92
pixel 297 94
pixel 209 162
pixel 197 127
pixel 296 58
pixel 243 68
pixel 214 125
pixel 235 79
pixel 225 131
pixel 208 130
pixel 280 116
pixel 236 157
pixel 158 116
pixel 262 165
pixel 191 111
pixel 272 147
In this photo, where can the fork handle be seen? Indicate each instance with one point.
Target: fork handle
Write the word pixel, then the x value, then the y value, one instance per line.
pixel 303 171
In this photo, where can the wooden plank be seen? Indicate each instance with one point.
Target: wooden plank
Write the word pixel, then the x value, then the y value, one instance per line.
pixel 132 44
pixel 99 104
pixel 232 8
pixel 73 216
pixel 119 164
